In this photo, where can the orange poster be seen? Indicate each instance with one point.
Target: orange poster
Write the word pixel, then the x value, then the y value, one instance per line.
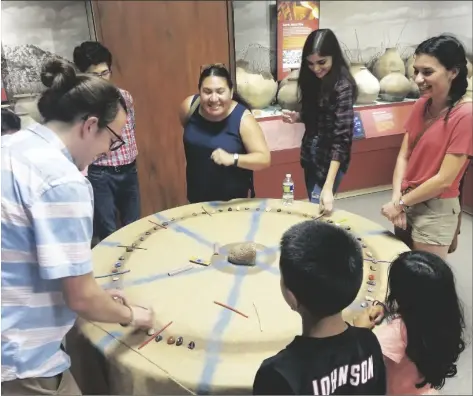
pixel 296 19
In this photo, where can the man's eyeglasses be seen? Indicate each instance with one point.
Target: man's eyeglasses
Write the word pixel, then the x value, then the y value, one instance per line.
pixel 116 144
pixel 102 74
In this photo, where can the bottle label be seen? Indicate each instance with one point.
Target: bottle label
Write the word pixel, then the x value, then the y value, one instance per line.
pixel 288 188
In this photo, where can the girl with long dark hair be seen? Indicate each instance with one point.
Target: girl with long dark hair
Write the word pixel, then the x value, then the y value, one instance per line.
pixel 327 94
pixel 423 338
pixel 436 149
pixel 223 142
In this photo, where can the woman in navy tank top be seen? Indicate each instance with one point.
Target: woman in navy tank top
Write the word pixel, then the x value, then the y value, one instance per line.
pixel 223 142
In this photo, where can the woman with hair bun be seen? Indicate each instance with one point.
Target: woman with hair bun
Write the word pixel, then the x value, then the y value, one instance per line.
pixel 47 211
pixel 436 149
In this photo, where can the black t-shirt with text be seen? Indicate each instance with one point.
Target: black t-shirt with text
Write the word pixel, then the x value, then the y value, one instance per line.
pixel 350 363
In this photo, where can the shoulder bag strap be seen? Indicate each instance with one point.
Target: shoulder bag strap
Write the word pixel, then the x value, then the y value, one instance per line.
pixel 193 108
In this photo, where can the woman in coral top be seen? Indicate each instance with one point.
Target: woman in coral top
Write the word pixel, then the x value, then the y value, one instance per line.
pixel 436 149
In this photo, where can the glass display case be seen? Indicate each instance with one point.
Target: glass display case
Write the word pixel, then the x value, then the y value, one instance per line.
pixel 377 38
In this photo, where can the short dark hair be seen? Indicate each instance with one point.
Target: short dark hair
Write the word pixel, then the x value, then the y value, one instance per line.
pixel 450 53
pixel 421 289
pixel 10 121
pixel 312 89
pixel 70 97
pixel 322 265
pixel 91 53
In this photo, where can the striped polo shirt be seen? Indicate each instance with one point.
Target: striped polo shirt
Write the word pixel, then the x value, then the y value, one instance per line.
pixel 47 212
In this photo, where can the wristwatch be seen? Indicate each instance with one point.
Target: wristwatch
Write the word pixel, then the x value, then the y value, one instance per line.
pixel 235 159
pixel 402 205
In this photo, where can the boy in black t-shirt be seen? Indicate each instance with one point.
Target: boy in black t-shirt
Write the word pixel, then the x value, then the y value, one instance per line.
pixel 321 274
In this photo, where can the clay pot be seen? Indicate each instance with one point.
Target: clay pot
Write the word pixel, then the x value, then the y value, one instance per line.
pixel 388 62
pixel 259 90
pixel 288 96
pixel 292 76
pixel 368 86
pixel 469 89
pixel 414 93
pixel 469 66
pixel 410 67
pixel 356 67
pixel 394 87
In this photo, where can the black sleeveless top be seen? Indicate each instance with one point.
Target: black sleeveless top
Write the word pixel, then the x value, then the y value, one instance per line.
pixel 207 181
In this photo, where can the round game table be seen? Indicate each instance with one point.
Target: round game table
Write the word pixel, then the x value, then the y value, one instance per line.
pixel 172 265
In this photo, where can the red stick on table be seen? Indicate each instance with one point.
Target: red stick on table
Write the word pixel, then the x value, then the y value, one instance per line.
pixel 231 309
pixel 155 335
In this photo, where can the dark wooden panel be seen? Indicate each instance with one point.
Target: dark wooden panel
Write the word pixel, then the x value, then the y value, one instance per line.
pixel 158 48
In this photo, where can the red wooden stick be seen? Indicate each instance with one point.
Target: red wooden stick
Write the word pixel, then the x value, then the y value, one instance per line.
pixel 155 335
pixel 231 309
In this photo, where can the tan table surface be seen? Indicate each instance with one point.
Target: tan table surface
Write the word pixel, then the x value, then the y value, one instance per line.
pixel 228 347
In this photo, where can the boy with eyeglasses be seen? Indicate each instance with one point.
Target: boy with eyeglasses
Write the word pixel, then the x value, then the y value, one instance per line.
pixel 114 177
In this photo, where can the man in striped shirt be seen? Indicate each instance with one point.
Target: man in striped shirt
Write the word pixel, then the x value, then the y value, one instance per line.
pixel 114 176
pixel 46 224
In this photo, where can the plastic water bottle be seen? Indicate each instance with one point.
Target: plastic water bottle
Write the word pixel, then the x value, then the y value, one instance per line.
pixel 288 190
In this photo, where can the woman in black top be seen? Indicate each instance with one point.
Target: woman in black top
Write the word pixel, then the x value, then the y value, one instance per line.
pixel 223 142
pixel 327 94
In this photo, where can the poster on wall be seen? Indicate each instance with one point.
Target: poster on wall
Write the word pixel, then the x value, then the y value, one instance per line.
pixel 296 19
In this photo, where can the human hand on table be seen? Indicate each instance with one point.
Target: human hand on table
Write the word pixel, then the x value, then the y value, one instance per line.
pixel 370 317
pixel 290 117
pixel 326 201
pixel 221 157
pixel 143 316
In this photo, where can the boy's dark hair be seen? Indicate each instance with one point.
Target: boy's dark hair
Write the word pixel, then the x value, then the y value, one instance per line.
pixel 91 53
pixel 422 291
pixel 322 265
pixel 10 121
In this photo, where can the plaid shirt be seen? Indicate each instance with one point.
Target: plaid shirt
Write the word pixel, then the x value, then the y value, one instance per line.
pixel 127 153
pixel 329 132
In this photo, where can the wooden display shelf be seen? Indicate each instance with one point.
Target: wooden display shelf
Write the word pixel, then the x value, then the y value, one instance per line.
pixel 374 151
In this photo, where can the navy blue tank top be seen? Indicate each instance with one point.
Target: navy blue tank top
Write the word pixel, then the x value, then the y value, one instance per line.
pixel 207 181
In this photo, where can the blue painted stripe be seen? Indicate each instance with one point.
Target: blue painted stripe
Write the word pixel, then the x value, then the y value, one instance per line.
pixel 270 250
pixel 106 340
pixel 163 275
pixel 109 244
pixel 180 229
pixel 268 268
pixel 376 233
pixel 25 318
pixel 255 220
pixel 215 340
pixel 214 344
